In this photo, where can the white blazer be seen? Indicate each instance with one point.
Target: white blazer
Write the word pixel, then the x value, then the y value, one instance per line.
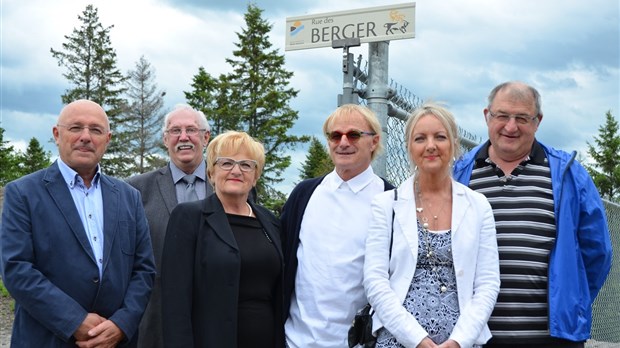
pixel 474 251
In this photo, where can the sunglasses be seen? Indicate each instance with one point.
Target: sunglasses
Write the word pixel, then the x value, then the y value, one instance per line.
pixel 351 135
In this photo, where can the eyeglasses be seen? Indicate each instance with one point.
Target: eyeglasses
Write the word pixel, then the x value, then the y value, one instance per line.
pixel 226 163
pixel 190 131
pixel 352 136
pixel 76 129
pixel 505 118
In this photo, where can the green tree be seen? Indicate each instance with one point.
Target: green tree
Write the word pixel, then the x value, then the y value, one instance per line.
pixel 90 63
pixel 259 93
pixel 317 161
pixel 144 117
pixel 9 161
pixel 606 155
pixel 211 96
pixel 34 158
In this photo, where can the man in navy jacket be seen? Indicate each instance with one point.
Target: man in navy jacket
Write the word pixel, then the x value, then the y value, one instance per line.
pixel 75 249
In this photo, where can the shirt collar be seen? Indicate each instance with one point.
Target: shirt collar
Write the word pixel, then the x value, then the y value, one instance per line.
pixel 72 177
pixel 537 155
pixel 178 174
pixel 355 184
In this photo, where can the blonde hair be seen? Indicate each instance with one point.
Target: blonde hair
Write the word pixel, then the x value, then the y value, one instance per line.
pixel 231 143
pixel 367 114
pixel 447 121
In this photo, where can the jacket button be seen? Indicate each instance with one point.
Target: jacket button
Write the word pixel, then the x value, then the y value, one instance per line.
pixel 95 280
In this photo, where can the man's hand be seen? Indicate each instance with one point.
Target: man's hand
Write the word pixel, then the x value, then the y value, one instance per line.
pixel 104 335
pixel 91 320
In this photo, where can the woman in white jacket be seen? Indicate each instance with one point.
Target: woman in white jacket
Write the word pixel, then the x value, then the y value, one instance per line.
pixel 434 279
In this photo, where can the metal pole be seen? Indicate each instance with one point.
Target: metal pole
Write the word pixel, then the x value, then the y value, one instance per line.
pixel 348 71
pixel 377 93
pixel 347 96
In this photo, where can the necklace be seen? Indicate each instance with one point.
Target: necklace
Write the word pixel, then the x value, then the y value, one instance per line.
pixel 431 257
pixel 250 208
pixel 420 208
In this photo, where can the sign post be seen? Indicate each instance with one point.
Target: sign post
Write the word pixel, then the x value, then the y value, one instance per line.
pixel 376 26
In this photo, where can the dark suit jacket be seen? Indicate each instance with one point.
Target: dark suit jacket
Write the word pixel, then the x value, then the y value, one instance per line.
pixel 200 276
pixel 159 197
pixel 49 267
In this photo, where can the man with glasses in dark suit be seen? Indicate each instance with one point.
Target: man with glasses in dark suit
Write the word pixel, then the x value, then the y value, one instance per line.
pixel 185 134
pixel 75 251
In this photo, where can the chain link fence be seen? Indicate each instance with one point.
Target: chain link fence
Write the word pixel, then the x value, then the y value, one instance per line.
pixel 606 311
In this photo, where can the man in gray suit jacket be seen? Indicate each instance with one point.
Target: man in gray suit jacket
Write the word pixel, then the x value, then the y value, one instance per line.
pixel 185 134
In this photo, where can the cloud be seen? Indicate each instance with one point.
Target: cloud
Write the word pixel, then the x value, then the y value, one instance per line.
pixel 569 50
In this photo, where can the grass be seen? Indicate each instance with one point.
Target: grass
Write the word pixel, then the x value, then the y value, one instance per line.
pixel 3 291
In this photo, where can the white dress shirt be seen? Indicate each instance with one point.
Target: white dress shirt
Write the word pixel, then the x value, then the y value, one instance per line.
pixel 89 204
pixel 328 284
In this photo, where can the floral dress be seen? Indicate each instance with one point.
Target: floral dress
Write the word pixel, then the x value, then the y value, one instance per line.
pixel 432 296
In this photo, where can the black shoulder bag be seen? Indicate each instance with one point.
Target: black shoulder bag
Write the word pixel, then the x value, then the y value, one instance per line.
pixel 360 331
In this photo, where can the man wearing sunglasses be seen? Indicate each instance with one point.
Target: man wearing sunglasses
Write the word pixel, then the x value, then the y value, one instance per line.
pixel 324 225
pixel 185 134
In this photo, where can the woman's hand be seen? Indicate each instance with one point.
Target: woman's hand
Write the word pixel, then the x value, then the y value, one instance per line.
pixel 450 344
pixel 427 343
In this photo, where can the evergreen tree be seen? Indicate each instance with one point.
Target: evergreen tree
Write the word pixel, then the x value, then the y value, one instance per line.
pixel 317 161
pixel 259 93
pixel 211 96
pixel 90 61
pixel 9 162
pixel 144 117
pixel 606 154
pixel 34 158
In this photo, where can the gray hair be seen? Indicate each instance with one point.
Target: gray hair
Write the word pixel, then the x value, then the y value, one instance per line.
pixel 520 91
pixel 201 119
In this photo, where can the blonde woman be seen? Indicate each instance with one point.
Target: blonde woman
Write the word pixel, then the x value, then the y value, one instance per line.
pixel 439 286
pixel 222 259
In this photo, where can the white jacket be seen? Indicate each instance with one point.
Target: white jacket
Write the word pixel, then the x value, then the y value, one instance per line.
pixel 474 251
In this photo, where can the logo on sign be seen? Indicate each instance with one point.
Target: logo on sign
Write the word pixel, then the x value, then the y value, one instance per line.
pixel 296 28
pixel 398 23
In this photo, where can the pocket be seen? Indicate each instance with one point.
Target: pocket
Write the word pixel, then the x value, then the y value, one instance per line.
pixel 127 237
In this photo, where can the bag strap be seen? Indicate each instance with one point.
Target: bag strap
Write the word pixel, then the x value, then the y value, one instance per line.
pixel 392 233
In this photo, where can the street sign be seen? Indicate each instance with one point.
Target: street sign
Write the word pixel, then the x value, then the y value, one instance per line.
pixel 383 23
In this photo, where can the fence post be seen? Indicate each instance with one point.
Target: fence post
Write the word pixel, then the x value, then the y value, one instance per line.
pixel 376 94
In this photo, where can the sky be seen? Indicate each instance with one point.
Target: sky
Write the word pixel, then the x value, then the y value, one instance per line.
pixel 568 49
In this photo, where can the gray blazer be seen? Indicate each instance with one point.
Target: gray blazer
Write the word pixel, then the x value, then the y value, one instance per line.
pixel 159 198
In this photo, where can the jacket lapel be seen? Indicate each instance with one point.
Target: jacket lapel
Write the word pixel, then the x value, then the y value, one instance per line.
pixel 111 203
pixel 460 206
pixel 271 230
pixel 216 219
pixel 58 190
pixel 166 188
pixel 404 209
